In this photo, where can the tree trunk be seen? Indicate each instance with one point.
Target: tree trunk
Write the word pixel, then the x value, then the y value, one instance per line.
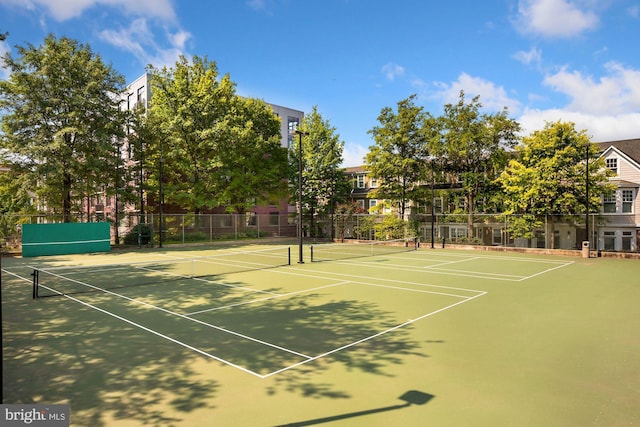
pixel 66 198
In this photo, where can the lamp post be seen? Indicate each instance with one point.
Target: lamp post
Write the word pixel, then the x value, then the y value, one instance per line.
pixel 433 202
pixel 161 197
pixel 587 199
pixel 300 133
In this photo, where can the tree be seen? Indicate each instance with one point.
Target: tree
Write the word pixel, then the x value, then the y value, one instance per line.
pixel 253 164
pixel 396 157
pixel 218 149
pixel 323 183
pixel 62 116
pixel 548 178
pixel 14 200
pixel 475 148
pixel 188 110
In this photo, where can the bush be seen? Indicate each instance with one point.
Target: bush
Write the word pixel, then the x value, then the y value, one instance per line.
pixel 146 231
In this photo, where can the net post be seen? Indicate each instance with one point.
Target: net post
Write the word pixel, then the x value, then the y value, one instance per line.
pixel 35 283
pixel 311 249
pixel 289 256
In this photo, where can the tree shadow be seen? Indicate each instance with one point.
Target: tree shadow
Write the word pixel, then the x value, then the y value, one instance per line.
pixel 60 351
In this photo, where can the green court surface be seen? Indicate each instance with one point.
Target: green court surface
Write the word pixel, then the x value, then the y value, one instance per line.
pixel 226 336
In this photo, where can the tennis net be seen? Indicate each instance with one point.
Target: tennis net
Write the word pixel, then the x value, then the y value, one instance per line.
pixel 359 249
pixel 59 281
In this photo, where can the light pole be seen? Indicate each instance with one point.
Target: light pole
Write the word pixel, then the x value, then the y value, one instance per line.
pixel 300 133
pixel 433 202
pixel 587 199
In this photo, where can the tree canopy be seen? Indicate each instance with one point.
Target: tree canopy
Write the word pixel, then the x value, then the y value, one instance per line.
pixel 474 148
pixel 397 158
pixel 323 183
pixel 61 117
pixel 218 149
pixel 548 177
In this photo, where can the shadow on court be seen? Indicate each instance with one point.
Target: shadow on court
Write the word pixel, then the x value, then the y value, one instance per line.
pixel 60 351
pixel 411 397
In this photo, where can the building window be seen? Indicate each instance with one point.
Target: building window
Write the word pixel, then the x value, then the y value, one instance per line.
pixel 226 220
pixel 360 181
pixel 458 232
pixel 360 203
pixel 140 95
pixel 626 240
pixel 292 125
pixel 609 240
pixel 627 201
pixel 612 164
pixel 609 203
pixel 497 236
pixel 374 182
pixel 372 204
pixel 274 218
pixel 252 219
pixel 437 205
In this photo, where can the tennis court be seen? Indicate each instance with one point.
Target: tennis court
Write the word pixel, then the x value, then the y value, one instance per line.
pixel 235 335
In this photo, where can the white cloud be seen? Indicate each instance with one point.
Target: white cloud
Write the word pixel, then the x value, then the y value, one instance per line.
pixel 353 155
pixel 554 18
pixel 607 127
pixel 533 56
pixel 257 4
pixel 140 41
pixel 607 107
pixel 4 49
pixel 492 97
pixel 63 10
pixel 634 11
pixel 618 92
pixel 391 71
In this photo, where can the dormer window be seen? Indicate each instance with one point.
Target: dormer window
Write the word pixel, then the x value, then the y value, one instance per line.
pixel 612 164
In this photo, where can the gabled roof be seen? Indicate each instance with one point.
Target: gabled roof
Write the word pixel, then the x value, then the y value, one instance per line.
pixel 630 147
pixel 355 169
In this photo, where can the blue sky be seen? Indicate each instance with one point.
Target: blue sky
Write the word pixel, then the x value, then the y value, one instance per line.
pixel 546 60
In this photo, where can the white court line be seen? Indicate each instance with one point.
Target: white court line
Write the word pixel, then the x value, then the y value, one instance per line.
pixel 268 298
pixel 451 262
pixel 546 271
pixel 168 338
pixel 177 315
pixel 475 275
pixel 325 273
pixel 415 290
pixel 306 357
pixel 295 365
pixel 499 257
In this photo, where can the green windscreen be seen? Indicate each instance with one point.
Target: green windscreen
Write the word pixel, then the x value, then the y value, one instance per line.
pixel 65 238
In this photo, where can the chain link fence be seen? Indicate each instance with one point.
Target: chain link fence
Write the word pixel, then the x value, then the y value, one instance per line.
pixel 133 229
pixel 607 232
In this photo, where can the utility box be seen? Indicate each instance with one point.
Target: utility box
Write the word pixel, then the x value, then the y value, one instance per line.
pixel 585 249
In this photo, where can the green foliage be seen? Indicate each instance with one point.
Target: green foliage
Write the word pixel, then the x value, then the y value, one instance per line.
pixel 145 236
pixel 391 227
pixel 548 177
pixel 323 183
pixel 217 149
pixel 397 156
pixel 473 148
pixel 62 114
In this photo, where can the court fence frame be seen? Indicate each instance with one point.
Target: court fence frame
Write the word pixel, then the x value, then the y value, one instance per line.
pixel 619 234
